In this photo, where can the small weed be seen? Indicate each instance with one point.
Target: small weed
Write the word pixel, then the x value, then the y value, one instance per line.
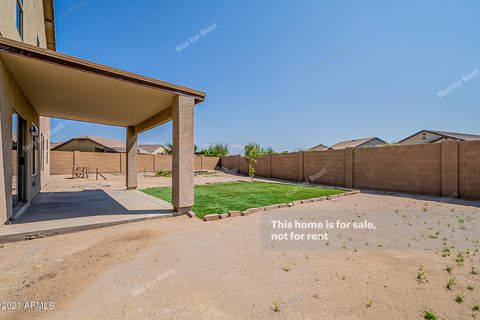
pixel 470 287
pixel 276 306
pixel 459 259
pixel 429 315
pixel 369 303
pixel 445 252
pixel 476 307
pixel 449 269
pixel 315 296
pixel 425 209
pixel 286 269
pixel 475 271
pixel 451 282
pixel 459 298
pixel 164 173
pixel 421 275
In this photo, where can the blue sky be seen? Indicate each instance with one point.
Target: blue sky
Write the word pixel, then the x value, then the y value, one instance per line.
pixel 290 74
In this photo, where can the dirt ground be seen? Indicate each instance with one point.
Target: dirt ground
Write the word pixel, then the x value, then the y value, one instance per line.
pixel 181 268
pixel 65 183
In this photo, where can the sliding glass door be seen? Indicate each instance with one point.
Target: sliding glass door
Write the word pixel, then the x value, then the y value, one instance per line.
pixel 18 161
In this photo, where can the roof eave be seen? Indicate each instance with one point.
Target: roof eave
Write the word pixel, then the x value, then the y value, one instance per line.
pixel 26 50
pixel 49 20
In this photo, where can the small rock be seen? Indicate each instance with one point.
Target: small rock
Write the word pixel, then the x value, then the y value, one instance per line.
pixel 223 216
pixel 191 214
pixel 210 217
pixel 232 214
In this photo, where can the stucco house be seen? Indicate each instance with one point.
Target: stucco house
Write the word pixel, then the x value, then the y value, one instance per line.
pixel 93 144
pixel 36 82
pixel 359 143
pixel 434 136
pixel 320 147
pixel 153 148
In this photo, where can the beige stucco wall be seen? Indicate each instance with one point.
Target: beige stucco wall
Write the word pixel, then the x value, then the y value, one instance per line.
pixel 82 145
pixel 418 138
pixel 33 26
pixel 12 97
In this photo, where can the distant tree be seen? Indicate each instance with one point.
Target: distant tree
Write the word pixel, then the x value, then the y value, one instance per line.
pixel 216 150
pixel 252 152
pixel 267 150
pixel 195 148
pixel 168 148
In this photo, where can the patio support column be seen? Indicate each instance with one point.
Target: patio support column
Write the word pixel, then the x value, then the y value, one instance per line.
pixel 132 159
pixel 183 156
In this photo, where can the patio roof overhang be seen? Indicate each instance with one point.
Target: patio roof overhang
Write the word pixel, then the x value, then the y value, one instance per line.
pixel 65 87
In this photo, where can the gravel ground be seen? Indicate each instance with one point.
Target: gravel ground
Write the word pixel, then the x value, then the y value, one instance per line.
pixel 181 268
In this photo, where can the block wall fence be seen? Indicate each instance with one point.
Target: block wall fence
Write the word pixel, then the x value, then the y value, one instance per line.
pixel 450 168
pixel 62 162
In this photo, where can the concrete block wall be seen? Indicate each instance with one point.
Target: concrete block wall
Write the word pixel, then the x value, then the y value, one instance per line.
pixel 146 162
pixel 326 167
pixel 210 163
pixel 469 170
pixel 163 163
pixel 105 162
pixel 262 166
pixel 411 169
pixel 62 162
pixel 449 168
pixel 243 167
pixel 285 166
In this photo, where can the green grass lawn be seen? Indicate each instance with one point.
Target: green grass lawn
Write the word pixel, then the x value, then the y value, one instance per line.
pixel 233 196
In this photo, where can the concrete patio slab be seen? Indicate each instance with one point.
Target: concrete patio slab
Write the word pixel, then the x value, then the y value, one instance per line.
pixel 63 212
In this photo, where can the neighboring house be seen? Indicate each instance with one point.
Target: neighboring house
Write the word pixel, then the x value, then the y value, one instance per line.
pixel 153 148
pixel 359 143
pixel 93 144
pixel 433 136
pixel 320 147
pixel 36 83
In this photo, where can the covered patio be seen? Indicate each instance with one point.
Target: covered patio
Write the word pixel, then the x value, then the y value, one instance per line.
pixel 65 87
pixel 53 213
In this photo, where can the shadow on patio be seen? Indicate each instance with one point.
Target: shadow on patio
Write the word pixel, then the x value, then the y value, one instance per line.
pixel 66 205
pixel 62 212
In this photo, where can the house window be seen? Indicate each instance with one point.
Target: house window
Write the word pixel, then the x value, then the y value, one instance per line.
pixel 20 17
